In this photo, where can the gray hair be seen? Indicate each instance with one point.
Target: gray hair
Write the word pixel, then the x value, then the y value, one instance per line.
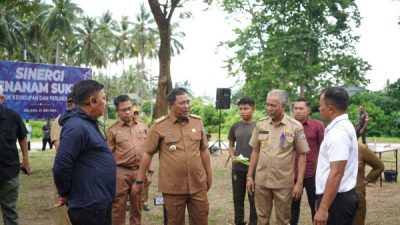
pixel 283 96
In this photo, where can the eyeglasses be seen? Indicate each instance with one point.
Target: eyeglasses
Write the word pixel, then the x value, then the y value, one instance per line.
pixel 128 109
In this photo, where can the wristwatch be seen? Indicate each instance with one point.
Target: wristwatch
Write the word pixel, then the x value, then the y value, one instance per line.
pixel 139 181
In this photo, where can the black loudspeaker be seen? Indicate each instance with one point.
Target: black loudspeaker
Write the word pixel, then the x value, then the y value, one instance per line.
pixel 223 100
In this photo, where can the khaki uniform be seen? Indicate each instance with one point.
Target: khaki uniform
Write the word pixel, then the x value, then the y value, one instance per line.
pixel 55 131
pixel 182 176
pixel 61 215
pixel 127 144
pixel 274 174
pixel 365 157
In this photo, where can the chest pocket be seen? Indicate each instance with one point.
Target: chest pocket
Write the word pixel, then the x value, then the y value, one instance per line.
pixel 141 133
pixel 263 139
pixel 171 140
pixel 10 135
pixel 122 141
pixel 195 136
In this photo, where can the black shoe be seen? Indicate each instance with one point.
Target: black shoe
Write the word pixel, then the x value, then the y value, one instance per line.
pixel 146 208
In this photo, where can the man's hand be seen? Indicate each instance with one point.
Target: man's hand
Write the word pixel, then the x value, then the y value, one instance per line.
pixel 297 191
pixel 362 130
pixel 60 201
pixel 25 167
pixel 321 217
pixel 209 182
pixel 148 180
pixel 137 188
pixel 250 185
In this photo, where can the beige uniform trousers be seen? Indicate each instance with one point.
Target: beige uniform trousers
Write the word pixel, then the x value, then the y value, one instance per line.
pixel 265 198
pixel 197 205
pixel 125 179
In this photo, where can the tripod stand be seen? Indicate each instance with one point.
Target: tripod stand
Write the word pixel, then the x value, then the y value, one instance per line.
pixel 219 135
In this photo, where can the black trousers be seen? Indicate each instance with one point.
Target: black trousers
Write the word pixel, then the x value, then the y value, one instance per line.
pixel 343 208
pixel 309 185
pixel 45 141
pixel 239 193
pixel 81 216
pixel 364 140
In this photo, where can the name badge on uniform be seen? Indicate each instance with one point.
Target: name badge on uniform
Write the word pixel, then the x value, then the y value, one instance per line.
pixel 172 147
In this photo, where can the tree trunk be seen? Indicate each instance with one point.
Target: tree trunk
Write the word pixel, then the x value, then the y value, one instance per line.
pixel 164 79
pixel 57 53
pixel 163 20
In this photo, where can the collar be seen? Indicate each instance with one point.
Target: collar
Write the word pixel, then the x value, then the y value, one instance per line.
pixel 283 121
pixel 122 123
pixel 306 122
pixel 2 114
pixel 174 119
pixel 344 116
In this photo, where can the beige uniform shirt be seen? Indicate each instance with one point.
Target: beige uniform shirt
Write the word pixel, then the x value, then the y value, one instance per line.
pixel 277 151
pixel 181 169
pixel 127 142
pixel 55 131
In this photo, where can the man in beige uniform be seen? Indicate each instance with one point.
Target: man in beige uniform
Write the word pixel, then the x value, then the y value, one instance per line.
pixel 145 192
pixel 185 170
pixel 126 139
pixel 61 217
pixel 275 141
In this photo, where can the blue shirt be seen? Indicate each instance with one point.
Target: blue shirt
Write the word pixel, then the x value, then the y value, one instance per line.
pixel 84 168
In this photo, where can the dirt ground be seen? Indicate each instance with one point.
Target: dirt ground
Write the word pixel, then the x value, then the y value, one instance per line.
pixel 36 197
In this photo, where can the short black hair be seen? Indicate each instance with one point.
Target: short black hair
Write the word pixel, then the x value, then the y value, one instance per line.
pixel 84 89
pixel 302 99
pixel 119 99
pixel 70 97
pixel 246 101
pixel 337 96
pixel 174 92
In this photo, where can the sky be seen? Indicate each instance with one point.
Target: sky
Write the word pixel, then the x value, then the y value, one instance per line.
pixel 201 62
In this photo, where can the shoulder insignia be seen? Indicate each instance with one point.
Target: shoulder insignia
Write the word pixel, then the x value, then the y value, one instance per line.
pixel 158 120
pixel 113 124
pixel 195 116
pixel 293 120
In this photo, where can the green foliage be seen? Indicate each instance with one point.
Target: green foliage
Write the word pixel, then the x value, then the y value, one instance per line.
pixel 299 46
pixel 146 107
pixel 36 126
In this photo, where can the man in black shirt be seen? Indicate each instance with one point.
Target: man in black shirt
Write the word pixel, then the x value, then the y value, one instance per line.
pixel 11 128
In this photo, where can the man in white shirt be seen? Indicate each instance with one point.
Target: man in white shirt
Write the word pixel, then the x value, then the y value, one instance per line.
pixel 337 162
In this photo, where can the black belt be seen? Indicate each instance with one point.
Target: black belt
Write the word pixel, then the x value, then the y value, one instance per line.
pixel 338 194
pixel 134 167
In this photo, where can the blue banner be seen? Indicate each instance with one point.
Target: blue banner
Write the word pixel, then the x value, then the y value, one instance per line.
pixel 39 91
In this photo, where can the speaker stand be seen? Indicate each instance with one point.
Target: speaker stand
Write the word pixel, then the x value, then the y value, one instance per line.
pixel 219 141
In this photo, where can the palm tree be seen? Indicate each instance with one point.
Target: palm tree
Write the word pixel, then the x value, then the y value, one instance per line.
pixel 89 52
pixel 176 45
pixel 145 35
pixel 12 33
pixel 123 48
pixel 59 21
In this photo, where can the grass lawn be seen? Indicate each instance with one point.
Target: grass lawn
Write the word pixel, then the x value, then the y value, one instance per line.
pixel 36 197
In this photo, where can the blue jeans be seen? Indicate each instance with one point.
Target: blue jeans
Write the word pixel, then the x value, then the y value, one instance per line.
pixel 8 200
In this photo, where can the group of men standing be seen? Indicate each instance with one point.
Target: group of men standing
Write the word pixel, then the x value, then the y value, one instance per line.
pixel 284 155
pixel 96 183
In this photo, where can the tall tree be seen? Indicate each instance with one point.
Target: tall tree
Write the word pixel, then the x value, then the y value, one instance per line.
pixel 123 48
pixel 162 13
pixel 299 46
pixel 88 51
pixel 59 21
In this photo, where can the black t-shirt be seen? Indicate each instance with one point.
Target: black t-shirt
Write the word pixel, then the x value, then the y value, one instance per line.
pixel 240 133
pixel 12 129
